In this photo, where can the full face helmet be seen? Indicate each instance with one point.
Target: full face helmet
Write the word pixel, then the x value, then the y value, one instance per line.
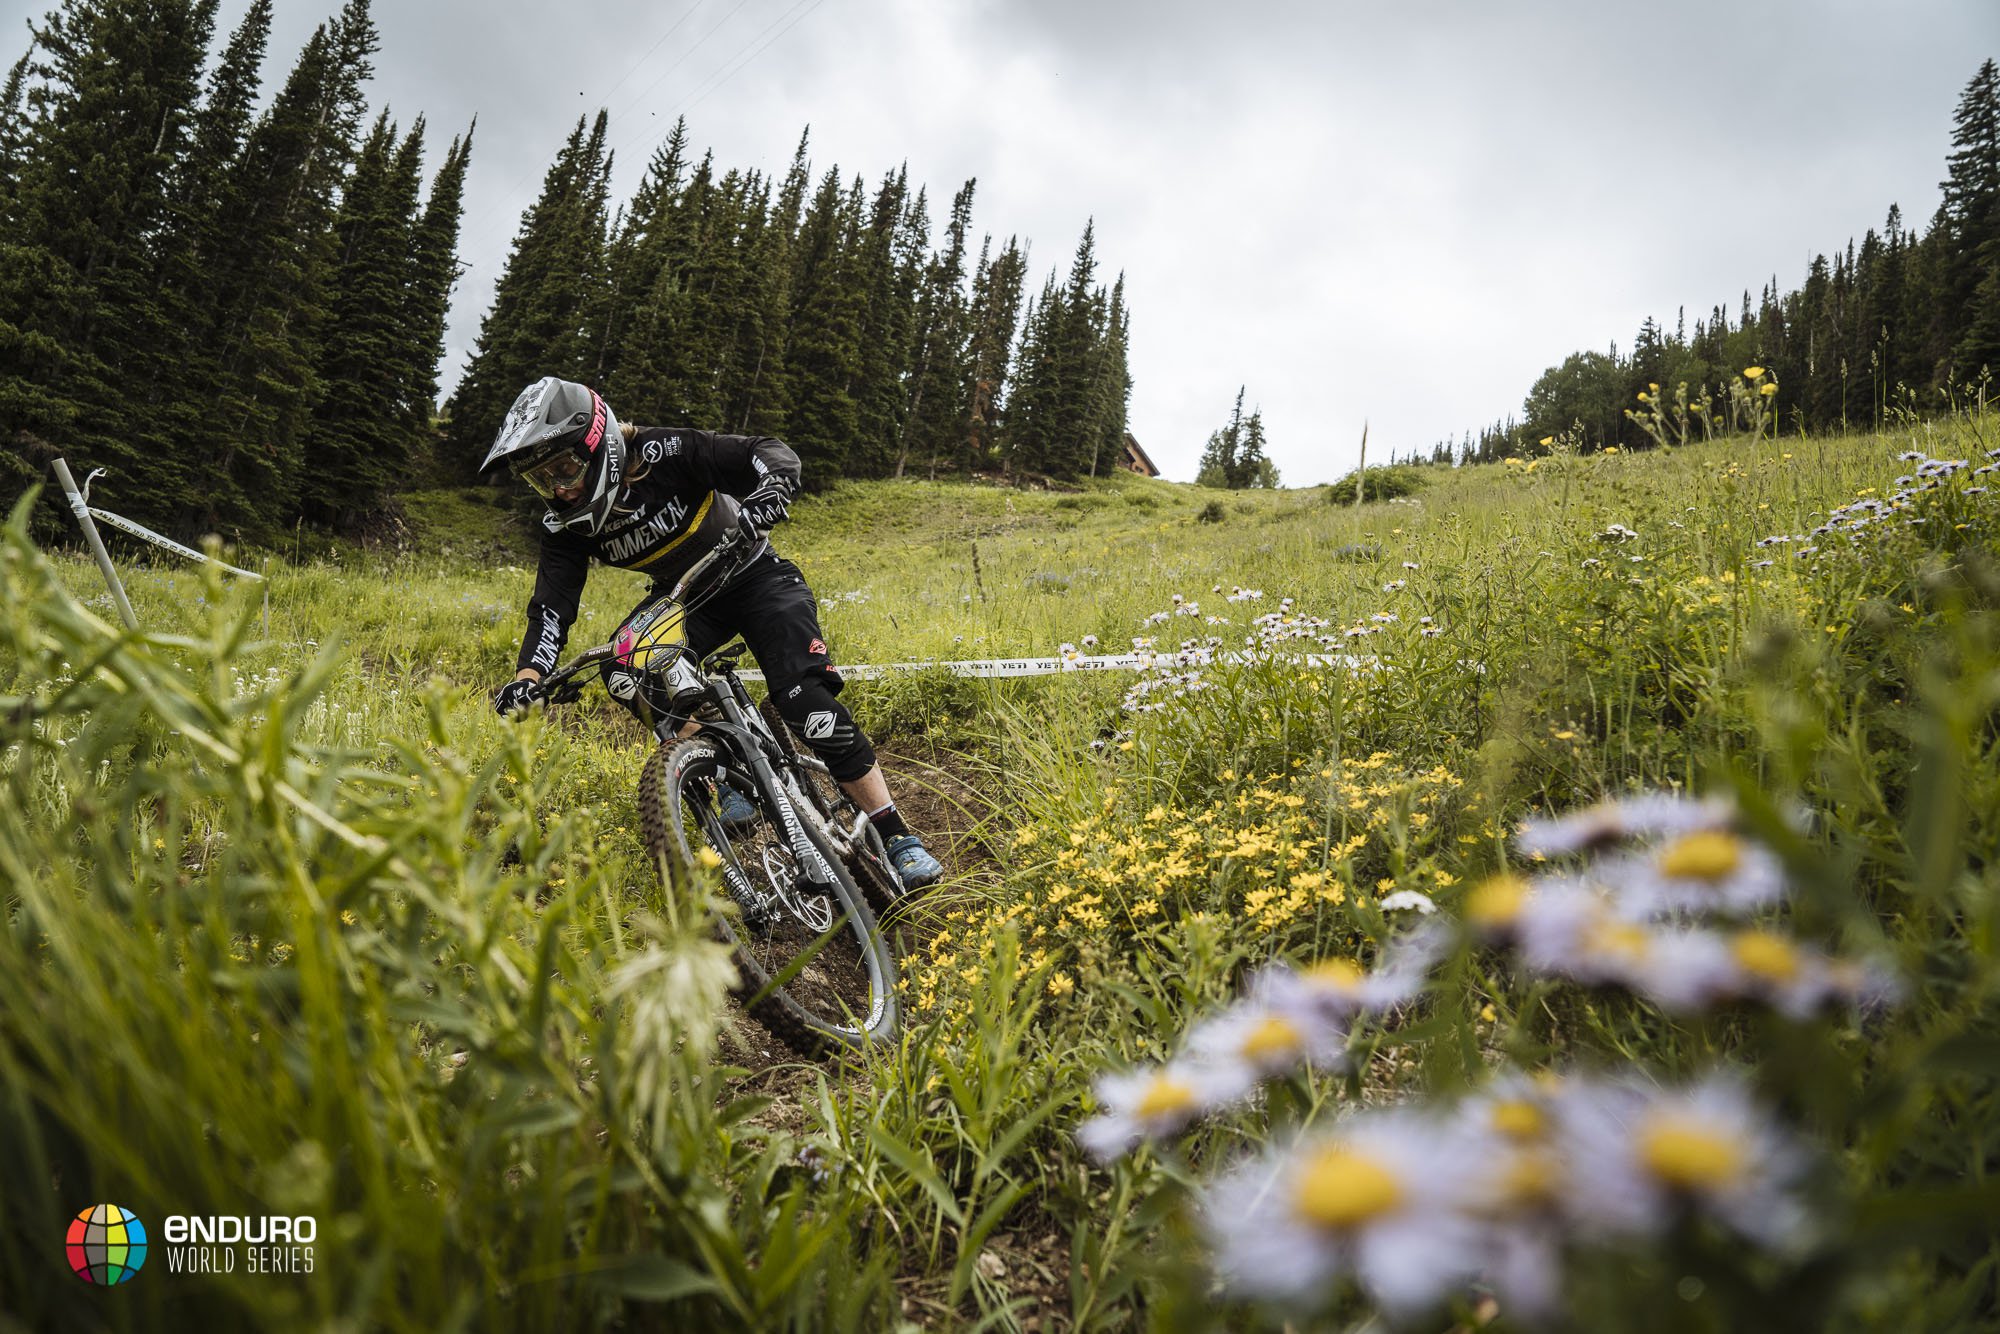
pixel 562 439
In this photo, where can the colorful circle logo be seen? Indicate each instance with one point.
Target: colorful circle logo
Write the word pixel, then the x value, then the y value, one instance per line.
pixel 107 1244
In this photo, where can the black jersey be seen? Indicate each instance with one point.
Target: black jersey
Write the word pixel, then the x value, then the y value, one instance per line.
pixel 681 500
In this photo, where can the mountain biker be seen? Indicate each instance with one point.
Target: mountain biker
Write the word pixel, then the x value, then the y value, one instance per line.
pixel 658 499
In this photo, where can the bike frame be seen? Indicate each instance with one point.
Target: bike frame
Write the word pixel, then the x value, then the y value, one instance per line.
pixel 748 741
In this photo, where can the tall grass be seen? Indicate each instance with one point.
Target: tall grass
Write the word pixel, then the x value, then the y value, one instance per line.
pixel 293 924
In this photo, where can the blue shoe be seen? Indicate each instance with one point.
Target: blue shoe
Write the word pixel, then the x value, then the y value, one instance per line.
pixel 915 866
pixel 736 810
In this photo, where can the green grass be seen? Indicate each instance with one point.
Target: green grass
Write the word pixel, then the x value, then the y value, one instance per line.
pixel 292 922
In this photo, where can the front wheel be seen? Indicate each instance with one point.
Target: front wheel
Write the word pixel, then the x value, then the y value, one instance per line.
pixel 815 968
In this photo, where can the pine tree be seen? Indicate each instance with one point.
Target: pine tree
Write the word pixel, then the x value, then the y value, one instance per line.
pixel 358 439
pixel 433 269
pixel 13 129
pixel 1219 465
pixel 1029 423
pixel 272 283
pixel 84 197
pixel 891 252
pixel 174 374
pixel 1253 467
pixel 937 378
pixel 534 326
pixel 1111 386
pixel 824 354
pixel 991 320
pixel 1972 212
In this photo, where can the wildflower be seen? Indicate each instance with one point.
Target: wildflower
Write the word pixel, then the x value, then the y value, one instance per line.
pixel 1650 815
pixel 1154 1104
pixel 1641 1156
pixel 1799 981
pixel 1261 1041
pixel 1768 388
pixel 1409 900
pixel 1701 870
pixel 1377 1201
pixel 1336 989
pixel 1753 373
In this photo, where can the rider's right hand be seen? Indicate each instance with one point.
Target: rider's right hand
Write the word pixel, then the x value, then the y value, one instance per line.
pixel 517 696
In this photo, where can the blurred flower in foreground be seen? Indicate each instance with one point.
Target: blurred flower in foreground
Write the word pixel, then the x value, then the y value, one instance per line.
pixel 1377 1200
pixel 1154 1104
pixel 1334 990
pixel 1641 1157
pixel 1704 871
pixel 1263 1041
pixel 1649 815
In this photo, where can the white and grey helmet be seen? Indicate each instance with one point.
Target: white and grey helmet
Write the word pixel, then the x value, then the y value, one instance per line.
pixel 562 439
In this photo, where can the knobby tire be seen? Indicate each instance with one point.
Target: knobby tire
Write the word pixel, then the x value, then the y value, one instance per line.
pixel 834 1000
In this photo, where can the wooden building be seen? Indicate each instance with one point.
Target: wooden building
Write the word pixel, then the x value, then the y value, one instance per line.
pixel 1136 459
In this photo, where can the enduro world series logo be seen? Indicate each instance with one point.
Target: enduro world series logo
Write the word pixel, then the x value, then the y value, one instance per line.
pixel 108 1244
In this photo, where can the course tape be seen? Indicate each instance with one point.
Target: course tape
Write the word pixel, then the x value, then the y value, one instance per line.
pixel 140 530
pixel 1135 662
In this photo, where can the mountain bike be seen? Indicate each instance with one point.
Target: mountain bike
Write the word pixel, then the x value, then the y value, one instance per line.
pixel 816 968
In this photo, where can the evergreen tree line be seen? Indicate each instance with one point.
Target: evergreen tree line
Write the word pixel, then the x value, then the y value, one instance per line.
pixel 1234 457
pixel 815 310
pixel 1907 321
pixel 240 315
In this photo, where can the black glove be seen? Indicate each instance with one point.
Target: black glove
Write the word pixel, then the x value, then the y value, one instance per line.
pixel 761 511
pixel 516 696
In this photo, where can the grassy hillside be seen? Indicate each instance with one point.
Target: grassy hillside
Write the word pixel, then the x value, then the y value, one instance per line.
pixel 295 923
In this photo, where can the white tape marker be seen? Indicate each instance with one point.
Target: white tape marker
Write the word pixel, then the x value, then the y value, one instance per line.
pixel 142 531
pixel 1134 662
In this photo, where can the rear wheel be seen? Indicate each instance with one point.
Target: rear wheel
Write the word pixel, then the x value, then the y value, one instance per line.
pixel 815 968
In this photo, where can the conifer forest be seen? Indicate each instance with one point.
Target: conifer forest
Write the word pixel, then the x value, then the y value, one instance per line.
pixel 242 316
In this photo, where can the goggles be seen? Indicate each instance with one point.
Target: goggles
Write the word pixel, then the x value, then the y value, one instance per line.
pixel 559 472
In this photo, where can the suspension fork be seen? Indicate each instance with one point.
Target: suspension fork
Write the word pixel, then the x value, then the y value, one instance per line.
pixel 766 776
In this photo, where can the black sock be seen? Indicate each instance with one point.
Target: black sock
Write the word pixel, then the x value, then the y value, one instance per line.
pixel 888 822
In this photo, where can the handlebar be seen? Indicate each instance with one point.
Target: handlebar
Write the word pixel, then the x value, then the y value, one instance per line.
pixel 728 548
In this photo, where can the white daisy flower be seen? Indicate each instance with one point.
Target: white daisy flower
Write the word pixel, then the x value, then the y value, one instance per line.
pixel 1155 1104
pixel 1522 1191
pixel 1640 1156
pixel 1377 1201
pixel 1408 900
pixel 1649 815
pixel 1799 981
pixel 1700 871
pixel 1335 990
pixel 1265 1042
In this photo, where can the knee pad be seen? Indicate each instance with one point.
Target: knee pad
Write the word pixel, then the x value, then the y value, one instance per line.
pixel 639 693
pixel 825 726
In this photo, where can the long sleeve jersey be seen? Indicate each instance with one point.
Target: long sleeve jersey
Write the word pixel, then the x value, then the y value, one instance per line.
pixel 682 500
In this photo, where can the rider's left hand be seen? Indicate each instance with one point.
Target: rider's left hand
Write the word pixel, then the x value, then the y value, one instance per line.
pixel 759 514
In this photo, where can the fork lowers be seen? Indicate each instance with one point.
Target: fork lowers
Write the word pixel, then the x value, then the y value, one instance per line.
pixel 813 965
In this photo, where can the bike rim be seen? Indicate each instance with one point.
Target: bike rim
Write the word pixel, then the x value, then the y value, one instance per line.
pixel 799 943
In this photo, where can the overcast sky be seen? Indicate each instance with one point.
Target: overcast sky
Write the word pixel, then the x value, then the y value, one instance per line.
pixel 1397 213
